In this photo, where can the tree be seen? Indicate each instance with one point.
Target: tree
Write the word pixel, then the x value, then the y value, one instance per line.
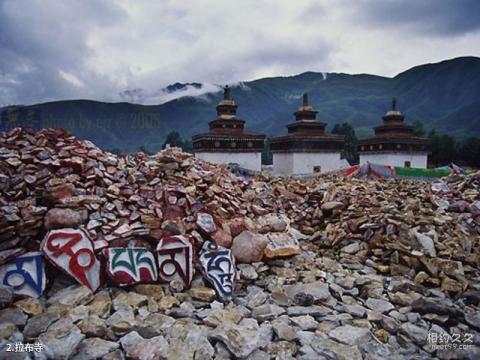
pixel 443 148
pixel 470 151
pixel 349 151
pixel 418 128
pixel 173 139
pixel 145 150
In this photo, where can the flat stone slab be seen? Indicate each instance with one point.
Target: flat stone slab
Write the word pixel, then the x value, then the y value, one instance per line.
pixel 350 335
pixel 319 290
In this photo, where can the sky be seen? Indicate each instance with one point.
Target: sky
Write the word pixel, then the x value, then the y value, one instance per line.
pixel 131 49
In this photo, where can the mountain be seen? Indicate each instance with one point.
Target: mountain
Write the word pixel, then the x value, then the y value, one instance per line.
pixel 444 96
pixel 168 93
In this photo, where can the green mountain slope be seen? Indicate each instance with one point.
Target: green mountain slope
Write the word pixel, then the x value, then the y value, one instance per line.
pixel 444 96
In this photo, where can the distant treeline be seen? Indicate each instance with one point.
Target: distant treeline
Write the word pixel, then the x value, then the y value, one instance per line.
pixel 444 148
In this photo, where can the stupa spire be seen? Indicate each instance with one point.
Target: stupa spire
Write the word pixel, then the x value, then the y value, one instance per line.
pixel 305 99
pixel 226 93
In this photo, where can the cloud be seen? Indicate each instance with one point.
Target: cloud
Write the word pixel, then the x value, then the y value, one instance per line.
pixel 52 49
pixel 43 47
pixel 434 17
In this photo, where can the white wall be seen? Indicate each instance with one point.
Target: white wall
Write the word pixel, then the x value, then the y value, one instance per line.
pixel 417 160
pixel 303 163
pixel 251 161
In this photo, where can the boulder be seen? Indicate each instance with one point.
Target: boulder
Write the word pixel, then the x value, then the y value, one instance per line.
pixel 249 247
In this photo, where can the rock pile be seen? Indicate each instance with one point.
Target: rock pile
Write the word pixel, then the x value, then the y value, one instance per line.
pixel 321 268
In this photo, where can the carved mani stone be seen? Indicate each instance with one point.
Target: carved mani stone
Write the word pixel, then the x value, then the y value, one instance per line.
pixel 72 251
pixel 25 274
pixel 175 259
pixel 218 266
pixel 128 266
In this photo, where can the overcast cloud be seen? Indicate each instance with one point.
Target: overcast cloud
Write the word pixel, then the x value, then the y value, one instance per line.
pixel 51 50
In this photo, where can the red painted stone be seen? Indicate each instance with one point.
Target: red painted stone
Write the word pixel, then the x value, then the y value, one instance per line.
pixel 175 259
pixel 72 251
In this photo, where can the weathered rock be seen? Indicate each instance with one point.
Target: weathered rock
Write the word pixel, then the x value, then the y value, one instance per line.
pixel 38 324
pixel 6 296
pixel 379 305
pixel 30 306
pixel 426 243
pixel 189 341
pixel 273 222
pixel 281 245
pixel 267 312
pixel 244 338
pixel 247 271
pixel 129 298
pixel 355 310
pixel 73 295
pixel 352 248
pixel 155 325
pixel 14 316
pixel 94 348
pixel 350 335
pixel 249 247
pixel 283 330
pixel 58 218
pixel 416 333
pixel 101 304
pixel 222 238
pixel 305 322
pixel 62 339
pixel 319 290
pixel 93 326
pixel 325 347
pixel 223 316
pixel 255 297
pixel 202 293
pixel 332 205
pixel 56 194
pixel 122 321
pixel 206 223
pixel 139 348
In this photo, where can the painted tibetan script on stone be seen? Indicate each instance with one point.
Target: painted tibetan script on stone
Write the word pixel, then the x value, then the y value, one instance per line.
pixel 25 274
pixel 128 266
pixel 218 266
pixel 175 259
pixel 72 251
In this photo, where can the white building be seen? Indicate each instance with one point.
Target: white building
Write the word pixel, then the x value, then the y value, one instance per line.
pixel 394 143
pixel 227 141
pixel 307 148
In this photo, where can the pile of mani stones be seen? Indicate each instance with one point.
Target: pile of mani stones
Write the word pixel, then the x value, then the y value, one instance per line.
pixel 72 251
pixel 124 220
